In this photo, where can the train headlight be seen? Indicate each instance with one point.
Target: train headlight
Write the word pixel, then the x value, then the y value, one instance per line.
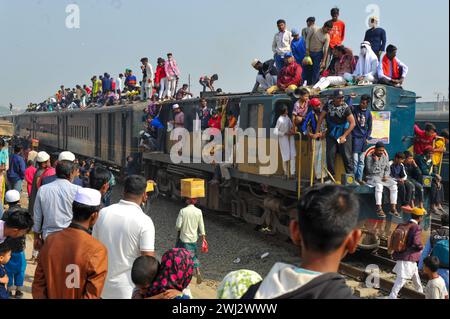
pixel 379 104
pixel 380 93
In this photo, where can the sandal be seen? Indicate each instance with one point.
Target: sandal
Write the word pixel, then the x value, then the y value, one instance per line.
pixel 380 213
pixel 395 213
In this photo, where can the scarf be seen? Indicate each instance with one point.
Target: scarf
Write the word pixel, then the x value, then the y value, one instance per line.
pixel 176 271
pixel 389 65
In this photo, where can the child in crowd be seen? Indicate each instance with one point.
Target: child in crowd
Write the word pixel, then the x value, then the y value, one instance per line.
pixel 143 273
pixel 29 175
pixel 5 256
pixel 435 288
pixel 300 107
pixel 17 265
pixel 415 177
pixel 172 279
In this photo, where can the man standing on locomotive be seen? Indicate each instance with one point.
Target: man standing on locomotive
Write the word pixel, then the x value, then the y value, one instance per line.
pixel 284 130
pixel 340 123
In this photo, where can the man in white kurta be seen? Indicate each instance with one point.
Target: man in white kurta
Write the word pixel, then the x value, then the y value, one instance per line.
pixel 286 140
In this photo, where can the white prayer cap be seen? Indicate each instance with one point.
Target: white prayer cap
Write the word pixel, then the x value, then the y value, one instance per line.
pixel 12 196
pixel 88 197
pixel 255 62
pixel 66 156
pixel 42 157
pixel 176 106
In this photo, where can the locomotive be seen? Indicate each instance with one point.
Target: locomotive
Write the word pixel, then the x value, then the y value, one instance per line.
pixel 111 134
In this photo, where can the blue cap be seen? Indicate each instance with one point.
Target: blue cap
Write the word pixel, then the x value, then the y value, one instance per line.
pixel 288 55
pixel 295 31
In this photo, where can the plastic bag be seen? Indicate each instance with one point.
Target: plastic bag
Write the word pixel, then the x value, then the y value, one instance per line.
pixel 205 247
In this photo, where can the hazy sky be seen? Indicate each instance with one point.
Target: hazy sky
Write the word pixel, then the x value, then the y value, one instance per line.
pixel 39 53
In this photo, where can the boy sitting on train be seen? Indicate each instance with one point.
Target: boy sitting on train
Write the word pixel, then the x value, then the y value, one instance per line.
pixel 290 76
pixel 392 71
pixel 425 164
pixel 378 174
pixel 285 131
pixel 405 187
pixel 309 128
pixel 415 177
pixel 300 107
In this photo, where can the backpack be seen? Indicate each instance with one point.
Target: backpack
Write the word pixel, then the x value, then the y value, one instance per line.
pixel 399 238
pixel 439 242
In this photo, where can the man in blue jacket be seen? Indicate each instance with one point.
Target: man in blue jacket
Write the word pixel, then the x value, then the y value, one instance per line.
pixel 376 36
pixel 16 172
pixel 361 134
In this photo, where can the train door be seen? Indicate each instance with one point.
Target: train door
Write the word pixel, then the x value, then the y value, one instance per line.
pixel 98 135
pixel 111 136
pixel 66 132
pixel 58 131
pixel 124 138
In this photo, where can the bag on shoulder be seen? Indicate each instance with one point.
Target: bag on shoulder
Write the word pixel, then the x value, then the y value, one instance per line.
pixel 399 238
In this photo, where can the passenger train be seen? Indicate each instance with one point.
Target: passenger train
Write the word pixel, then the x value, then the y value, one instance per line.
pixel 111 134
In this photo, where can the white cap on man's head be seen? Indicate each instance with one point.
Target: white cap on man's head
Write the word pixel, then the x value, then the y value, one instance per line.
pixel 88 197
pixel 176 106
pixel 255 62
pixel 12 196
pixel 66 156
pixel 42 157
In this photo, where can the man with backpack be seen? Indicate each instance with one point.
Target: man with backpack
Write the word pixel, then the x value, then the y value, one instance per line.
pixel 437 246
pixel 406 245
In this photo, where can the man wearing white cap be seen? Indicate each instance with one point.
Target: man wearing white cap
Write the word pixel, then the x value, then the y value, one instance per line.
pixel 53 205
pixel 43 162
pixel 366 69
pixel 49 175
pixel 12 198
pixel 73 264
pixel 267 74
pixel 128 233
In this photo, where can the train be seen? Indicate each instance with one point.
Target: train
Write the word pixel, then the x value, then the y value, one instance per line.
pixel 111 134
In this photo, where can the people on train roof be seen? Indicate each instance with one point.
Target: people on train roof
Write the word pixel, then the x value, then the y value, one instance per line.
pixel 392 71
pixel 376 36
pixel 281 43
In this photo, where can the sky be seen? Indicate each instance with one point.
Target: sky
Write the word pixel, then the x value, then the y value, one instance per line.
pixel 39 52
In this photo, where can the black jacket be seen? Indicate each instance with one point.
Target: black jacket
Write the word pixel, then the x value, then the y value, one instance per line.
pixel 327 286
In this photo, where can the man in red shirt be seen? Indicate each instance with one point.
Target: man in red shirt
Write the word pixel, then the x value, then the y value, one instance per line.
pixel 290 76
pixel 337 34
pixel 424 138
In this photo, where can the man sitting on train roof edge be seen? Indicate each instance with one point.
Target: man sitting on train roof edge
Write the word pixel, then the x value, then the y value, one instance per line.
pixel 378 175
pixel 392 71
pixel 366 68
pixel 267 74
pixel 290 76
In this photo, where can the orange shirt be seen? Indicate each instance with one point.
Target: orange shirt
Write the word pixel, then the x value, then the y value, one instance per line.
pixel 337 34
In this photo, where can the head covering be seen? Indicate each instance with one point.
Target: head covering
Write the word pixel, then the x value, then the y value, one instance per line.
pixel 42 157
pixel 338 93
pixel 288 55
pixel 66 156
pixel 315 102
pixel 255 62
pixel 236 284
pixel 375 23
pixel 175 106
pixel 295 31
pixel 418 211
pixel 365 62
pixel 12 196
pixel 88 197
pixel 176 271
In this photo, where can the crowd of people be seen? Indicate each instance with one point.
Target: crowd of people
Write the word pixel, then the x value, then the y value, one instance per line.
pixel 317 57
pixel 106 90
pixel 86 248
